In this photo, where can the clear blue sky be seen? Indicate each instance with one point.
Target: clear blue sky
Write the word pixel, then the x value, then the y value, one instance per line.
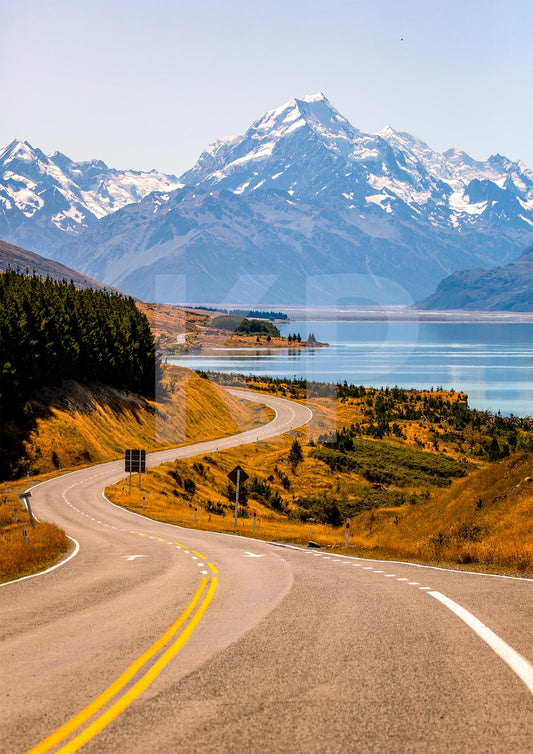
pixel 149 84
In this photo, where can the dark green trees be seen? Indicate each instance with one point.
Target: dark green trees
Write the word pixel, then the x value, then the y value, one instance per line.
pixel 51 331
pixel 296 455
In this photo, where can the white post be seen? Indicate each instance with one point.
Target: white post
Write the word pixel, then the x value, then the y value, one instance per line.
pixel 347 534
pixel 28 508
pixel 237 486
pixel 255 517
pixel 143 502
pixel 195 512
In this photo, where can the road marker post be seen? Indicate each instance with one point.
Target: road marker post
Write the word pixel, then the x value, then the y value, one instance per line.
pixel 347 538
pixel 143 502
pixel 237 487
pixel 195 513
pixel 25 497
pixel 24 535
pixel 15 512
pixel 255 518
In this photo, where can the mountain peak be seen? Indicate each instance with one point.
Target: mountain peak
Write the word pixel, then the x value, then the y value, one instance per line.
pixel 318 97
pixel 18 148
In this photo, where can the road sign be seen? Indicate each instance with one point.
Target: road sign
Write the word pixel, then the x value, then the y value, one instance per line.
pixel 234 475
pixel 135 460
pixel 232 497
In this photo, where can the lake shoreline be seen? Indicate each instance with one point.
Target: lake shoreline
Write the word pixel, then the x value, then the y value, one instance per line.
pixel 401 314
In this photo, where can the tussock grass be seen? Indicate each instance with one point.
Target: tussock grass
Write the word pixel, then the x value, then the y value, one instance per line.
pixel 45 545
pixel 80 425
pixel 482 521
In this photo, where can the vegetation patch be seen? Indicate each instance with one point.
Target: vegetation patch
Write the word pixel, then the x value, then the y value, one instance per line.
pixel 23 549
pixel 381 463
pixel 423 491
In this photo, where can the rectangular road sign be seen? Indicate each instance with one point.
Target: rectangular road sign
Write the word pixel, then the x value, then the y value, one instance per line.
pixel 242 497
pixel 135 460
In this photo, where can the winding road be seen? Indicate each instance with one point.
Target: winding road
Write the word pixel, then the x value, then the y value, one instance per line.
pixel 155 638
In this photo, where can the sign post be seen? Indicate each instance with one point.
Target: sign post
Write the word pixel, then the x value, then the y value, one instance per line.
pixel 238 476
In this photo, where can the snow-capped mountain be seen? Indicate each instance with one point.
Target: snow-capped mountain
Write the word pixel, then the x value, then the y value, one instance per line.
pixel 306 208
pixel 45 199
pixel 315 151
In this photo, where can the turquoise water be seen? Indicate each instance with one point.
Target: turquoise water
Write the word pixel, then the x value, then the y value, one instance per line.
pixel 491 362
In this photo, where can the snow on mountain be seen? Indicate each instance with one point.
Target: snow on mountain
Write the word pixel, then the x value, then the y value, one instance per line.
pixel 42 197
pixel 304 194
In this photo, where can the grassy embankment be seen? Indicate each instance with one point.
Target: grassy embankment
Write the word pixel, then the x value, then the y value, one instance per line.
pixel 45 544
pixel 426 490
pixel 78 426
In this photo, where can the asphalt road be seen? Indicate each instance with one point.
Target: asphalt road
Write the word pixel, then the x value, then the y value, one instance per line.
pixel 156 638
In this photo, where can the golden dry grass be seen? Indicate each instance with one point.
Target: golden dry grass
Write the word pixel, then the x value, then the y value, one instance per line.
pixel 482 522
pixel 84 426
pixel 45 545
pixel 165 501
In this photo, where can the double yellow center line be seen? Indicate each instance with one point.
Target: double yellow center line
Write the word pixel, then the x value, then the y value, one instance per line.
pixel 196 608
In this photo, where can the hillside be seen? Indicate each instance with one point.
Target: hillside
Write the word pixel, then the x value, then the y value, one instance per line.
pixel 505 288
pixel 76 425
pixel 421 477
pixel 51 332
pixel 29 262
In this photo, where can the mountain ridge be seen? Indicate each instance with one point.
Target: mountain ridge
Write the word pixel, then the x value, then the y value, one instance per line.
pixel 45 198
pixel 505 288
pixel 303 194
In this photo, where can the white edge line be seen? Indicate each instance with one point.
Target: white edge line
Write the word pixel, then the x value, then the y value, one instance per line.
pixel 117 461
pixel 515 661
pixel 406 563
pixel 52 568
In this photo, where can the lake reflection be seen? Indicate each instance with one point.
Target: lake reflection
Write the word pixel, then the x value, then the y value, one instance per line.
pixel 492 362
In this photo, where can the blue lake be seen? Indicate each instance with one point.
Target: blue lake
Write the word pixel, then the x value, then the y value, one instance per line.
pixel 492 362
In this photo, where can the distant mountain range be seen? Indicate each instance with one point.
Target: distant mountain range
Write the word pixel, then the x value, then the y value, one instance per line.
pixel 303 208
pixel 506 288
pixel 46 200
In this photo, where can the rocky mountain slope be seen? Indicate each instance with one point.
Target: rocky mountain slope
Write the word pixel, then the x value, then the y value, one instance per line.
pixel 46 199
pixel 505 288
pixel 306 208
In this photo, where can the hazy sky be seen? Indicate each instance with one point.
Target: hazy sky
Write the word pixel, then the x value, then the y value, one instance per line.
pixel 149 84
